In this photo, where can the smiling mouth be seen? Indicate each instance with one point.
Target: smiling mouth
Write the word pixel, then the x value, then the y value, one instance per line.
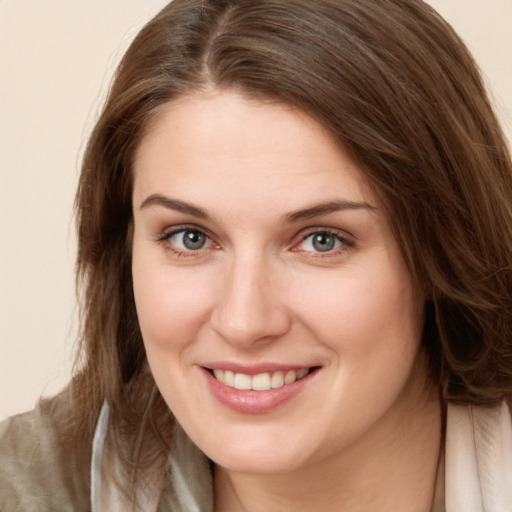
pixel 262 381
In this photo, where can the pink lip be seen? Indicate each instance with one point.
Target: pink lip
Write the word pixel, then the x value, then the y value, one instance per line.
pixel 250 401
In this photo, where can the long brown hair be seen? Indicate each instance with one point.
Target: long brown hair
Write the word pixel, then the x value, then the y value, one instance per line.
pixel 398 89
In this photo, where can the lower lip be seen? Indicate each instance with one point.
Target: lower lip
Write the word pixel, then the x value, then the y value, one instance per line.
pixel 255 402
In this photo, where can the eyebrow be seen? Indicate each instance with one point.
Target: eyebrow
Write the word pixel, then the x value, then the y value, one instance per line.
pixel 289 218
pixel 174 204
pixel 324 209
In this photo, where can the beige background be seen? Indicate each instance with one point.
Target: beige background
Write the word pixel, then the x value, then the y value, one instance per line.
pixel 56 60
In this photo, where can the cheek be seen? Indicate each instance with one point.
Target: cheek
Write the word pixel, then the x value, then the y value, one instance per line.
pixel 171 310
pixel 171 305
pixel 368 313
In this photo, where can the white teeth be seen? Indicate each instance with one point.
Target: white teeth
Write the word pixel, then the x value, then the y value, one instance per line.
pixel 229 379
pixel 302 373
pixel 277 379
pixel 243 381
pixel 261 381
pixel 290 377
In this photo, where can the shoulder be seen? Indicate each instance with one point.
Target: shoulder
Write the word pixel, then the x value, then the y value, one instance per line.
pixel 37 472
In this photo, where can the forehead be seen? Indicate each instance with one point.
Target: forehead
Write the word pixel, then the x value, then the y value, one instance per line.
pixel 224 142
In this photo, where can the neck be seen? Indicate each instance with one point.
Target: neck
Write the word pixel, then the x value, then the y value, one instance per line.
pixel 391 470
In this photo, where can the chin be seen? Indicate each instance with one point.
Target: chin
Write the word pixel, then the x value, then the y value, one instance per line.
pixel 275 463
pixel 262 450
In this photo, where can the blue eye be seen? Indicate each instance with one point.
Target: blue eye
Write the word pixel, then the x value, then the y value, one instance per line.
pixel 189 240
pixel 321 241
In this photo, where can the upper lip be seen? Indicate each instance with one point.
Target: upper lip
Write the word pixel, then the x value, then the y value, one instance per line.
pixel 254 369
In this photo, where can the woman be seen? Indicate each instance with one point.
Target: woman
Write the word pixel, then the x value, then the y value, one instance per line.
pixel 295 255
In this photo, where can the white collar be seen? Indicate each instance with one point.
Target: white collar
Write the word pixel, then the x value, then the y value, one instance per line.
pixel 478 467
pixel 478 459
pixel 192 489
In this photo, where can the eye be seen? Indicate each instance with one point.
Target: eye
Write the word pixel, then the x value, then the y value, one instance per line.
pixel 186 240
pixel 322 242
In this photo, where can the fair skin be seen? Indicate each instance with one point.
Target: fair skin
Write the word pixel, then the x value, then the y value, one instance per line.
pixel 260 254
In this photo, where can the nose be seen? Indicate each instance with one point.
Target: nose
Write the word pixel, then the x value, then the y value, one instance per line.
pixel 249 310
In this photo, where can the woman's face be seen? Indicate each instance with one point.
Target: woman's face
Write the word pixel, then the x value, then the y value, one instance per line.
pixel 261 261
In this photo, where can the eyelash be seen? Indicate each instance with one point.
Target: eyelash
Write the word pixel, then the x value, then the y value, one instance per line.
pixel 169 246
pixel 341 239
